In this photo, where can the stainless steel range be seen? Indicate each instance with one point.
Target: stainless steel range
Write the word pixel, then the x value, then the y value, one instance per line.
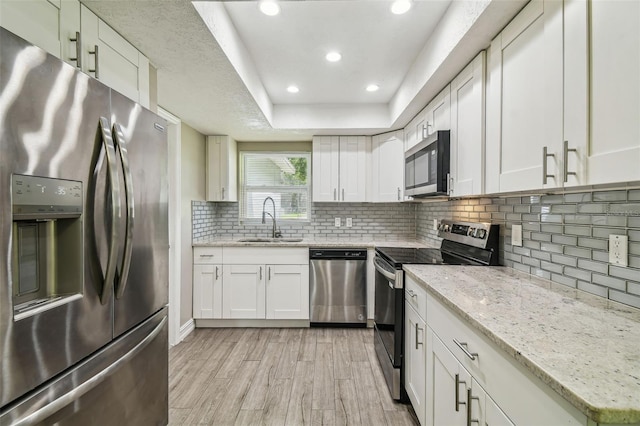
pixel 463 243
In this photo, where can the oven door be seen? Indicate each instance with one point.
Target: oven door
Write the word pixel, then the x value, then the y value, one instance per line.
pixel 388 309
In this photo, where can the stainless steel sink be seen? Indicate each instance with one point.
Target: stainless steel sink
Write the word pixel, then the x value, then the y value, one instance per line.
pixel 270 240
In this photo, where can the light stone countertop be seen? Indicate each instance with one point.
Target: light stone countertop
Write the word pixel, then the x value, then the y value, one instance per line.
pixel 320 243
pixel 585 347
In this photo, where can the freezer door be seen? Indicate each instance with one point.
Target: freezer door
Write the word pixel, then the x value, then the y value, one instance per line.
pixel 49 115
pixel 126 383
pixel 141 286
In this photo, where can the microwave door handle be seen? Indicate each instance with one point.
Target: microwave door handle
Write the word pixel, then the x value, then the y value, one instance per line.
pixel 114 182
pixel 73 395
pixel 121 143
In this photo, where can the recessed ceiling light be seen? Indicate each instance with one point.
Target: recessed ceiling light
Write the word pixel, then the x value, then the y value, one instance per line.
pixel 293 89
pixel 372 88
pixel 269 7
pixel 333 56
pixel 400 6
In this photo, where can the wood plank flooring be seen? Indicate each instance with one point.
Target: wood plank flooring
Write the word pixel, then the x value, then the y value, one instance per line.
pixel 289 376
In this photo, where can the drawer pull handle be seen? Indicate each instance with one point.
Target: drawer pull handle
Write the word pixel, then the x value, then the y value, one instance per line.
pixel 465 349
pixel 469 399
pixel 418 329
pixel 458 383
pixel 206 255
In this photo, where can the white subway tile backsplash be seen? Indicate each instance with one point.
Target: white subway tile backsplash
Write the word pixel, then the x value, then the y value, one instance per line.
pixel 566 233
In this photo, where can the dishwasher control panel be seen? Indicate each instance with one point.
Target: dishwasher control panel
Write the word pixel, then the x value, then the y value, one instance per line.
pixel 349 253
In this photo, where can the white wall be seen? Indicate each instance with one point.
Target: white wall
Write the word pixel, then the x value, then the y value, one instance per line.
pixel 193 188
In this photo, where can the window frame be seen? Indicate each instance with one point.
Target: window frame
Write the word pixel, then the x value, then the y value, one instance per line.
pixel 242 187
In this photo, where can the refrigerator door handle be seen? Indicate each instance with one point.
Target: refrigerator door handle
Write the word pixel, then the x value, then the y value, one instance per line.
pixel 121 143
pixel 112 173
pixel 66 399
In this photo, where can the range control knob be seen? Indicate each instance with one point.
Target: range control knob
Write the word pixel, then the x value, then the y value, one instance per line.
pixel 471 232
pixel 481 233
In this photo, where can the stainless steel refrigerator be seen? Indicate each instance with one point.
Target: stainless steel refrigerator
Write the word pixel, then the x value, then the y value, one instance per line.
pixel 83 248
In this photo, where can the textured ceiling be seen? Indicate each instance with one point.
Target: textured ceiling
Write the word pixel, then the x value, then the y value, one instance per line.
pixel 220 91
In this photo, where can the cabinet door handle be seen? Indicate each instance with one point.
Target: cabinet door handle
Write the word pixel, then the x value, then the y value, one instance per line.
pixel 458 383
pixel 269 269
pixel 217 275
pixel 342 194
pixel 261 273
pixel 96 68
pixel 565 160
pixel 78 41
pixel 465 349
pixel 223 192
pixel 398 193
pixel 545 156
pixel 469 399
pixel 417 330
pixel 334 194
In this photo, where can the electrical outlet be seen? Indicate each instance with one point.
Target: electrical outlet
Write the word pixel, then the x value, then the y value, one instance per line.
pixel 618 249
pixel 349 222
pixel 516 235
pixel 337 222
pixel 435 224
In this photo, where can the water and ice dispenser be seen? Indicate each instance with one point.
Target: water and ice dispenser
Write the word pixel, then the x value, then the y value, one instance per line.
pixel 47 253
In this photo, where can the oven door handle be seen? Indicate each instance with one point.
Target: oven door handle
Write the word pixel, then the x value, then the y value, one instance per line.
pixel 384 272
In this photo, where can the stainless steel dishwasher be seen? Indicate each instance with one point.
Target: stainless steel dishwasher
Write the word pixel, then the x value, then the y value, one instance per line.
pixel 338 287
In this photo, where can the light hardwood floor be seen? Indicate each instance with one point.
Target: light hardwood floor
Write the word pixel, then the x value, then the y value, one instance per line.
pixel 290 376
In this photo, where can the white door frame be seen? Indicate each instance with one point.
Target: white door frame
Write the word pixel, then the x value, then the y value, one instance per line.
pixel 175 153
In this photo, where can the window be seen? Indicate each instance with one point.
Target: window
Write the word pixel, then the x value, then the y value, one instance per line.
pixel 283 176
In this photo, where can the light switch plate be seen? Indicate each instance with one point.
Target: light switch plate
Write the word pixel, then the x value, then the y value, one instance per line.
pixel 435 224
pixel 337 222
pixel 618 249
pixel 516 235
pixel 349 222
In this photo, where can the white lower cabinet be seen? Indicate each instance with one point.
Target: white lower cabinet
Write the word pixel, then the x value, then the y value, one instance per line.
pixel 243 295
pixel 415 358
pixel 447 386
pixel 287 291
pixel 207 291
pixel 207 282
pixel 465 378
pixel 227 286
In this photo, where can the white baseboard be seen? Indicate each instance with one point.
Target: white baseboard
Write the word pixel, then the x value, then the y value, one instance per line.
pixel 186 329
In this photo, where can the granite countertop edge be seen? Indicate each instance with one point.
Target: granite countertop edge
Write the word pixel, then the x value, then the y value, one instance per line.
pixel 601 414
pixel 321 243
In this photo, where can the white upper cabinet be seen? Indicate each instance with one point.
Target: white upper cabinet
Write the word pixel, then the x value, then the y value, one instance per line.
pixel 524 101
pixel 387 167
pixel 564 96
pixel 435 116
pixel 71 32
pixel 613 149
pixel 49 24
pixel 438 112
pixel 112 59
pixel 467 129
pixel 339 168
pixel 221 171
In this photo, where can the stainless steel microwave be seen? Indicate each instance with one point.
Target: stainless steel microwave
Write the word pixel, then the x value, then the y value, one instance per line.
pixel 426 166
